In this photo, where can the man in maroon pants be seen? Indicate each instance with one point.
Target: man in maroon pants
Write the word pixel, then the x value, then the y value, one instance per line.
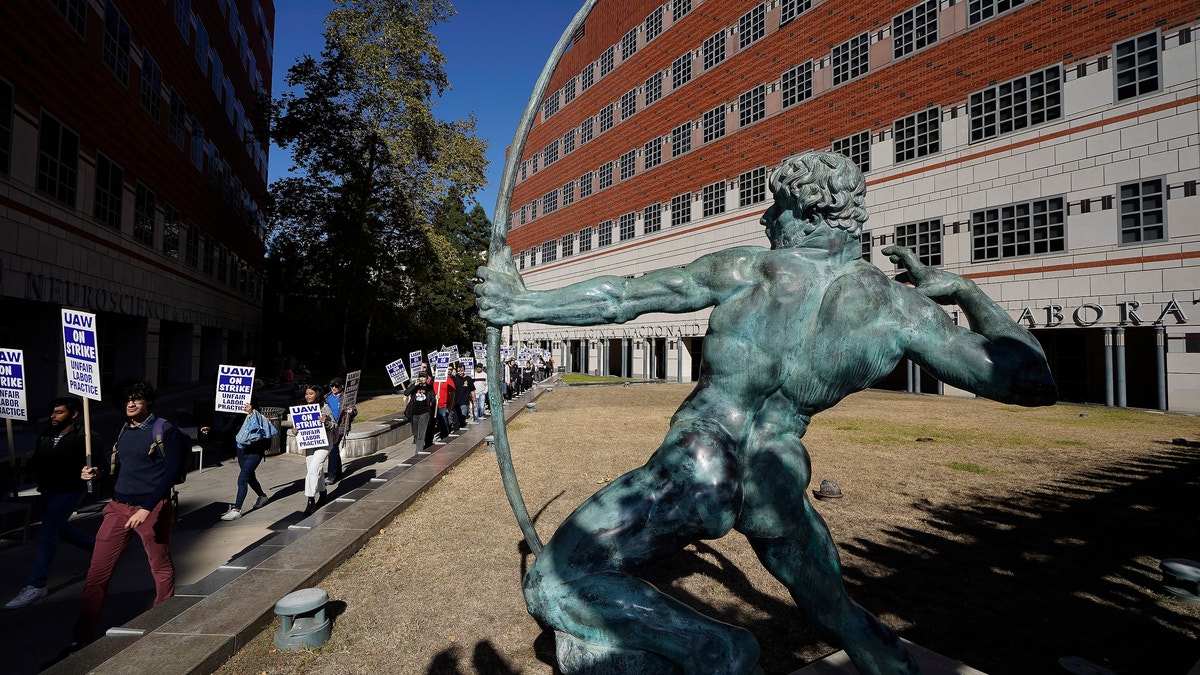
pixel 148 457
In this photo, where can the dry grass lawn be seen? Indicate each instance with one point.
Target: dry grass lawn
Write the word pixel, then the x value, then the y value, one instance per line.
pixel 1013 538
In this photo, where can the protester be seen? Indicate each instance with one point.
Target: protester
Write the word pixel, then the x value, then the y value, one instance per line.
pixel 58 460
pixel 146 460
pixel 463 388
pixel 314 458
pixel 481 390
pixel 445 408
pixel 420 409
pixel 252 438
pixel 342 418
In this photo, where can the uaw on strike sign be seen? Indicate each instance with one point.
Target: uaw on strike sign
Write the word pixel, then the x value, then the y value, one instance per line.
pixel 12 384
pixel 235 384
pixel 310 430
pixel 83 359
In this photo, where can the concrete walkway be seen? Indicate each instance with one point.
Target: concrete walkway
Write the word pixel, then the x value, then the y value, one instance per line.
pixel 228 574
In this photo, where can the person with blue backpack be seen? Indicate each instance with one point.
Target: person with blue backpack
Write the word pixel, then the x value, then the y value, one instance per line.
pixel 251 433
pixel 147 461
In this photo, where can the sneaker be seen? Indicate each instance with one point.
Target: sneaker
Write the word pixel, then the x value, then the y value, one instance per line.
pixel 232 514
pixel 262 501
pixel 27 596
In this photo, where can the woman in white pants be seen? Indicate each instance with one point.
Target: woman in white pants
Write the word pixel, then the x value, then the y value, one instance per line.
pixel 314 458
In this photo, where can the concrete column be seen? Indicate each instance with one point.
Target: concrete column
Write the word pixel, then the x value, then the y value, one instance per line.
pixel 1108 367
pixel 625 357
pixel 679 360
pixel 1119 348
pixel 1160 361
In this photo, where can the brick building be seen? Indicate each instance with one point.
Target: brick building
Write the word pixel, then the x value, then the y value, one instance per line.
pixel 1047 149
pixel 132 183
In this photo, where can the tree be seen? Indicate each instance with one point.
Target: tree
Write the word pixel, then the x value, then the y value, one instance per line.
pixel 355 227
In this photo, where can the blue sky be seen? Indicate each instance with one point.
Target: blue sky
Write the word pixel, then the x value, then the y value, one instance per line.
pixel 494 51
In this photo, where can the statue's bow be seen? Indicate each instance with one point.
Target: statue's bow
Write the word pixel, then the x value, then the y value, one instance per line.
pixel 499 236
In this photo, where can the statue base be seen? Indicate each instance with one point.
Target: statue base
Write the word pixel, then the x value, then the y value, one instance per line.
pixel 931 663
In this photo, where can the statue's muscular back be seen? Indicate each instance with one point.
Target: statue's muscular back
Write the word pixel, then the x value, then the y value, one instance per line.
pixel 796 330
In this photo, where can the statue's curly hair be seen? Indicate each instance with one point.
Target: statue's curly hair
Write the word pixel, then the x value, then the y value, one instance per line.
pixel 826 187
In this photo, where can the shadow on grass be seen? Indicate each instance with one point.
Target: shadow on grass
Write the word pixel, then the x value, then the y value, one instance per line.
pixel 1066 568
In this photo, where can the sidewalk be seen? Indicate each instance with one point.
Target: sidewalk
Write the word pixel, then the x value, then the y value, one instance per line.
pixel 210 553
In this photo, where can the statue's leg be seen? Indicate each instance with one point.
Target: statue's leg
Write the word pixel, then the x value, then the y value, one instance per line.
pixel 610 621
pixel 793 542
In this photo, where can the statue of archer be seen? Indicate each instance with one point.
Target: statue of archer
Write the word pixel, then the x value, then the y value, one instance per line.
pixel 793 330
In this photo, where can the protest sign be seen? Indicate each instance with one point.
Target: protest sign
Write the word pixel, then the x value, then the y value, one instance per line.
pixel 414 362
pixel 454 353
pixel 442 368
pixel 350 391
pixel 397 372
pixel 310 430
pixel 235 384
pixel 83 359
pixel 468 363
pixel 12 385
pixel 480 351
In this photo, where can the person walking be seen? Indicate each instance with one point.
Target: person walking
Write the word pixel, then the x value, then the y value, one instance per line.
pixel 481 390
pixel 463 388
pixel 58 461
pixel 146 461
pixel 252 439
pixel 314 458
pixel 420 395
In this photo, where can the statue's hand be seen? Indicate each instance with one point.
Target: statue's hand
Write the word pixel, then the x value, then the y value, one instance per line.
pixel 500 290
pixel 940 286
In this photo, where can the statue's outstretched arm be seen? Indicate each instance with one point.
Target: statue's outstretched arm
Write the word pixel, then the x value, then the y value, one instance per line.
pixel 504 300
pixel 996 358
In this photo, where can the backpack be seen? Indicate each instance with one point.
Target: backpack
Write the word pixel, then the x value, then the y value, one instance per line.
pixel 156 446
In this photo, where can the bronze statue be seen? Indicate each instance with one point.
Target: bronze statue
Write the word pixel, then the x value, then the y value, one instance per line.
pixel 793 330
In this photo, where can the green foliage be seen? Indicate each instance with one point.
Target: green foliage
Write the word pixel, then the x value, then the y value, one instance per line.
pixel 370 235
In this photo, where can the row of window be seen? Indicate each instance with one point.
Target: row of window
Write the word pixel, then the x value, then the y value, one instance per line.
pixel 751 189
pixel 1022 229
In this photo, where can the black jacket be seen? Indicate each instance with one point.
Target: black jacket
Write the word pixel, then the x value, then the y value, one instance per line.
pixel 58 466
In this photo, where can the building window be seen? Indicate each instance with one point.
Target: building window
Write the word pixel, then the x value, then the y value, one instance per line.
pixel 521 260
pixel 713 198
pixel 606 118
pixel 550 251
pixel 151 90
pixel 681 209
pixel 865 242
pixel 604 234
pixel 587 77
pixel 550 152
pixel 681 139
pixel 115 48
pixel 752 26
pixel 714 49
pixel 1143 211
pixel 628 164
pixel 857 148
pixel 192 255
pixel 568 91
pixel 533 256
pixel 850 59
pixel 1137 69
pixel 1026 101
pixel 143 215
pixel 183 18
pixel 918 135
pixel 110 179
pixel 915 29
pixel 982 10
pixel 585 240
pixel 654 23
pixel 629 45
pixel 585 130
pixel 606 175
pixel 223 264
pixel 201 52
pixel 568 245
pixel 752 187
pixel 550 105
pixel 568 194
pixel 652 219
pixel 6 115
pixel 923 238
pixel 752 105
pixel 524 214
pixel 568 142
pixel 790 9
pixel 550 202
pixel 628 104
pixel 176 115
pixel 58 160
pixel 170 240
pixel 533 210
pixel 652 153
pixel 681 71
pixel 626 226
pixel 533 162
pixel 75 14
pixel 606 61
pixel 797 84
pixel 1016 230
pixel 714 124
pixel 585 185
pixel 679 8
pixel 653 87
